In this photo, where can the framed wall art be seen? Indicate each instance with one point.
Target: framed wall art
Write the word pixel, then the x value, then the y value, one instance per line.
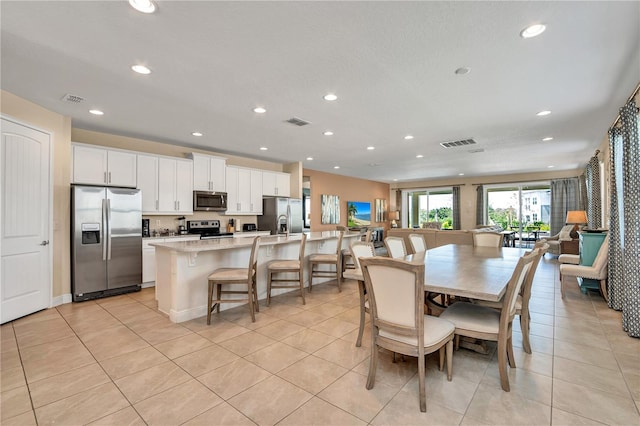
pixel 330 209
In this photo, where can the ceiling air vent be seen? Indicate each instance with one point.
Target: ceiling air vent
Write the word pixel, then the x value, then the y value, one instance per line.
pixel 456 144
pixel 74 99
pixel 297 121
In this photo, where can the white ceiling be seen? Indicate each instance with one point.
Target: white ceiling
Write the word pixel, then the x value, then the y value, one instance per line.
pixel 390 63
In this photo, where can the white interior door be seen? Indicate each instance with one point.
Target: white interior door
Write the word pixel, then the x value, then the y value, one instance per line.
pixel 25 209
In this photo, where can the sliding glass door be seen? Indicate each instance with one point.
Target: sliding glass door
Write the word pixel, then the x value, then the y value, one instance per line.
pixel 522 208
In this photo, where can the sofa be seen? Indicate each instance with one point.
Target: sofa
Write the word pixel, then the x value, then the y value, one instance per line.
pixel 433 237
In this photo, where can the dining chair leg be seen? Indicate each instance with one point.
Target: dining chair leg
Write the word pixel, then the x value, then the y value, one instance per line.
pixel 441 354
pixel 311 265
pixel 449 359
pixel 373 364
pixel 510 357
pixel 255 295
pixel 251 303
pixel 603 290
pixel 561 286
pixel 269 273
pixel 218 296
pixel 457 338
pixel 524 328
pixel 362 312
pixel 502 364
pixel 421 385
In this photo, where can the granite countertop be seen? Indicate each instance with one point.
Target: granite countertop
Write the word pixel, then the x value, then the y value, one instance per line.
pixel 233 243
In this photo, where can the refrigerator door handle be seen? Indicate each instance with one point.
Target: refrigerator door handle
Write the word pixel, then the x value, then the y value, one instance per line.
pixel 288 219
pixel 108 229
pixel 104 229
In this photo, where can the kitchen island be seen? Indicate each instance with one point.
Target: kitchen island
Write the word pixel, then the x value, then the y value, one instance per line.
pixel 182 267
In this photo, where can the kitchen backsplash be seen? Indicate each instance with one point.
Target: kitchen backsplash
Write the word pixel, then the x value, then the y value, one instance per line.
pixel 171 222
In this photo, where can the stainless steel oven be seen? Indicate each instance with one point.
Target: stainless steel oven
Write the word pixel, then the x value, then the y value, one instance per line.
pixel 209 201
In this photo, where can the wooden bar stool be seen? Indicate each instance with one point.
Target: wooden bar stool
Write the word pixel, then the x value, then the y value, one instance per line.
pixel 333 259
pixel 280 266
pixel 226 276
pixel 347 260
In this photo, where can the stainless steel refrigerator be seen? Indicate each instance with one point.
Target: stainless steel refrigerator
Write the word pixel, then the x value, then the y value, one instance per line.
pixel 106 241
pixel 280 214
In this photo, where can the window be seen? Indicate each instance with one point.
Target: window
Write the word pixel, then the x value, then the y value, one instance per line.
pixel 433 205
pixel 535 217
pixel 534 201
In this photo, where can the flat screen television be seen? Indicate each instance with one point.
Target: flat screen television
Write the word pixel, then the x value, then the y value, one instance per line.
pixel 358 214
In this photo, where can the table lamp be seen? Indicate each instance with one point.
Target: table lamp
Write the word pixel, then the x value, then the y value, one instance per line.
pixel 395 216
pixel 576 218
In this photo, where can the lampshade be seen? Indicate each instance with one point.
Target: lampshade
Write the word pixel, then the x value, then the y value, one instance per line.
pixel 395 215
pixel 576 217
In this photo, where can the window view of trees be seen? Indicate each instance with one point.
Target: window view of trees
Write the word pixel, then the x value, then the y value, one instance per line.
pixel 431 206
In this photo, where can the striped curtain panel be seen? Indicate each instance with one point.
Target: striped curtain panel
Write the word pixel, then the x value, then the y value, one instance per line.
pixel 480 205
pixel 594 195
pixel 565 196
pixel 624 260
pixel 456 207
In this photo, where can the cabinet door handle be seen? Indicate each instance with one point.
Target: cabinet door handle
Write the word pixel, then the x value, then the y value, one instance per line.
pixel 178 206
pixel 251 208
pixel 157 204
pixel 104 177
pixel 210 186
pixel 109 177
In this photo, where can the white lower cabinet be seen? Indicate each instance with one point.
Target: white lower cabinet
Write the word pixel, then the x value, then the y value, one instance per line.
pixel 149 254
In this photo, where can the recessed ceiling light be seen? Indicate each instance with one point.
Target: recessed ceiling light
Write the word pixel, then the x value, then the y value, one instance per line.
pixel 419 156
pixel 463 71
pixel 330 97
pixel 547 139
pixel 328 133
pixel 263 148
pixel 196 134
pixel 309 158
pixel 533 30
pixel 371 148
pixel 336 167
pixel 144 6
pixel 543 113
pixel 408 137
pixel 460 174
pixel 96 112
pixel 141 69
pixel 550 167
pixel 259 110
pixel 395 180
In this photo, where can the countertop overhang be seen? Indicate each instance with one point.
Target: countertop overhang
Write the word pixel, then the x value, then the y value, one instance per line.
pixel 233 243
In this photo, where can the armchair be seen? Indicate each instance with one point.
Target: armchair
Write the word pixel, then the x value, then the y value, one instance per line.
pixel 556 240
pixel 597 271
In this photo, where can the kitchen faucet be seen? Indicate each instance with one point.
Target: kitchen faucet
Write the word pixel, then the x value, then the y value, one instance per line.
pixel 286 218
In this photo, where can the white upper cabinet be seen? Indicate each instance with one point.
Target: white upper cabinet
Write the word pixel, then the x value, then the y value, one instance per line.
pixel 244 191
pixel 209 173
pixel 166 184
pixel 148 182
pixel 175 186
pixel 276 184
pixel 100 166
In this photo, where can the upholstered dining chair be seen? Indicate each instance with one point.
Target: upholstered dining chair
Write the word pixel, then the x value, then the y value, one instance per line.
pixel 395 247
pixel 417 243
pixel 360 249
pixel 570 267
pixel 276 268
pixel 240 277
pixel 396 298
pixel 331 260
pixel 485 323
pixel 522 301
pixel 487 239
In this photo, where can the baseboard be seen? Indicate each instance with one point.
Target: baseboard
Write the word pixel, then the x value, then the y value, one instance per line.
pixel 61 300
pixel 149 284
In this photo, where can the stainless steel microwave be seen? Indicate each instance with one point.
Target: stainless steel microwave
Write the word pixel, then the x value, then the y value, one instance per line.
pixel 209 201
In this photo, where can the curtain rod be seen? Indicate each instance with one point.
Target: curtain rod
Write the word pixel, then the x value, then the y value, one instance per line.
pixel 430 187
pixel 633 95
pixel 513 181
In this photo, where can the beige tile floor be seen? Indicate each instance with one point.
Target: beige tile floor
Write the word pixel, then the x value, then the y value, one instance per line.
pixel 118 361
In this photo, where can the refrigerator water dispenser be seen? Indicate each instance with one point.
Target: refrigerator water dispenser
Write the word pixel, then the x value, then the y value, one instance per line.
pixel 90 233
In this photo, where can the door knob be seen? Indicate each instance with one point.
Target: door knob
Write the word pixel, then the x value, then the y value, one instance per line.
pixel 44 243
